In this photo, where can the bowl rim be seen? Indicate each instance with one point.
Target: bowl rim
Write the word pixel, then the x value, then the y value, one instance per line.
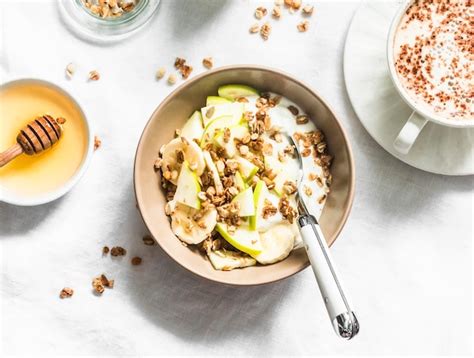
pixel 67 186
pixel 287 76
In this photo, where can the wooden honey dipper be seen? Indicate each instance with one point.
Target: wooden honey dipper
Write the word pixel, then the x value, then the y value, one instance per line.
pixel 34 138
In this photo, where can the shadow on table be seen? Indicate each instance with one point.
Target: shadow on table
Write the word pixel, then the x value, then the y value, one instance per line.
pixel 185 304
pixel 21 219
pixel 191 17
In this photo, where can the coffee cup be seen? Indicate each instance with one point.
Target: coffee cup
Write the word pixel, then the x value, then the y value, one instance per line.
pixel 423 112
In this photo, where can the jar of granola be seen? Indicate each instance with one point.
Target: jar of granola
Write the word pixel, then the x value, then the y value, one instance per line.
pixel 106 20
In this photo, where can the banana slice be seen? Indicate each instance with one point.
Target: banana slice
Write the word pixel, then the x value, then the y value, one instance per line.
pixel 277 244
pixel 192 154
pixel 189 230
pixel 228 260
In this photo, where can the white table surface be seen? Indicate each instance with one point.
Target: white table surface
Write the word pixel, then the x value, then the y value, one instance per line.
pixel 405 252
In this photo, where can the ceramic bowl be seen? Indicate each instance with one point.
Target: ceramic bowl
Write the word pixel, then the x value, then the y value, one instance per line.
pixel 174 111
pixel 46 197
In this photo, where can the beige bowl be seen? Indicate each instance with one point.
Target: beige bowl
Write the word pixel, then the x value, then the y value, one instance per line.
pixel 173 112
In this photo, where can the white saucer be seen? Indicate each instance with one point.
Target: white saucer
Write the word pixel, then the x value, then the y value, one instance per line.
pixel 438 149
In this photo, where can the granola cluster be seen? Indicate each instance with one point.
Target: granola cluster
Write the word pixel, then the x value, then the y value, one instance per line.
pixel 292 6
pixel 110 8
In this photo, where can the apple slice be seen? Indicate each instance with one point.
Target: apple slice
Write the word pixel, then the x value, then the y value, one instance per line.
pixel 188 188
pixel 245 201
pixel 212 100
pixel 277 244
pixel 242 239
pixel 214 172
pixel 236 91
pixel 193 128
pixel 212 112
pixel 225 260
pixel 246 168
pixel 239 182
pixel 216 124
pixel 259 195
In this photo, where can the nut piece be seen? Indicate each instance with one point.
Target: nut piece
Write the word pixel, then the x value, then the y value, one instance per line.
pixel 66 292
pixel 94 75
pixel 160 73
pixel 118 251
pixel 308 10
pixel 303 26
pixel 97 285
pixel 254 28
pixel 97 143
pixel 276 12
pixel 70 70
pixel 148 240
pixel 260 12
pixel 136 261
pixel 105 250
pixel 172 79
pixel 208 62
pixel 265 31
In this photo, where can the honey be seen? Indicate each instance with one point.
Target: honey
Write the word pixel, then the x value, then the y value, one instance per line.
pixel 33 175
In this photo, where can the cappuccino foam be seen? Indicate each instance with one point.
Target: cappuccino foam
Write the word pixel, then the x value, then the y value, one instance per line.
pixel 434 55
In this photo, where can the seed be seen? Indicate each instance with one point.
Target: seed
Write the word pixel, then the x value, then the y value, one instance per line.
pixel 172 79
pixel 70 70
pixel 148 240
pixel 160 73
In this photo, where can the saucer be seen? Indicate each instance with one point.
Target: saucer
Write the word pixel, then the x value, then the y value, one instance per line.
pixel 438 149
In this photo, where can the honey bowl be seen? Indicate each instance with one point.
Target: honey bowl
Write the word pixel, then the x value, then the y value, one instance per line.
pixel 37 179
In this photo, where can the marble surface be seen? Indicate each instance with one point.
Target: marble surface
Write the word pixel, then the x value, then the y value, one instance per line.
pixel 405 253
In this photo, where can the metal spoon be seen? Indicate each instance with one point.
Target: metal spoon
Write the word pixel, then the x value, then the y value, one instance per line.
pixel 339 309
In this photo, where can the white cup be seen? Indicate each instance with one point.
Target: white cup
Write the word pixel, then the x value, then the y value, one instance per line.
pixel 420 116
pixel 15 199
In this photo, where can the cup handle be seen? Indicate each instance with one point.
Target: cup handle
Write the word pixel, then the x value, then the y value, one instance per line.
pixel 409 133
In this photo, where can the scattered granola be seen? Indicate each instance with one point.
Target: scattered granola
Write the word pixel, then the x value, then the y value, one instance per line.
pixel 308 191
pixel 70 70
pixel 208 62
pixel 94 75
pixel 109 8
pixel 254 28
pixel 61 120
pixel 260 12
pixel 182 67
pixel 66 292
pixel 172 79
pixel 308 10
pixel 105 250
pixel 148 240
pixel 276 12
pixel 97 142
pixel 265 31
pixel 118 251
pixel 303 26
pixel 136 261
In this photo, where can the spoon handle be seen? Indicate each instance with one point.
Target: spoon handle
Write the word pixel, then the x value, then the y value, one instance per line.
pixel 337 304
pixel 10 154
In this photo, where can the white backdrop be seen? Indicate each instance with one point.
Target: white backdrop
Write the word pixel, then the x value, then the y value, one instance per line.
pixel 405 252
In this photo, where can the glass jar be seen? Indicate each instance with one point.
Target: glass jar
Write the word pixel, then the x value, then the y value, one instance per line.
pixel 78 18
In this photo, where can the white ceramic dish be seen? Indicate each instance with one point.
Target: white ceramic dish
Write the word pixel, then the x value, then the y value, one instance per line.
pixel 382 111
pixel 420 116
pixel 11 198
